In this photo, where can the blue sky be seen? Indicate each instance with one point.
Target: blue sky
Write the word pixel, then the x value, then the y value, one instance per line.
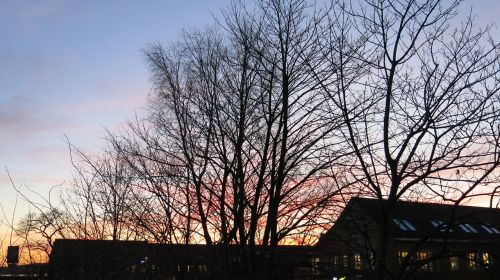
pixel 74 67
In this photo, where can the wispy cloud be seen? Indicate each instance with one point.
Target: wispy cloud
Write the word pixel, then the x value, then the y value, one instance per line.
pixel 21 115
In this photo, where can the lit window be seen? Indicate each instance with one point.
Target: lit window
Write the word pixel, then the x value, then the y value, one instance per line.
pixel 404 225
pixel 453 263
pixel 315 264
pixel 402 255
pixel 345 261
pixel 423 256
pixel 357 261
pixel 472 261
pixel 486 259
pixel 490 229
pixel 441 226
pixel 468 228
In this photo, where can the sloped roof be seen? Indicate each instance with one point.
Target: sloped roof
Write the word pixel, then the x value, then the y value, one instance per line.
pixel 422 215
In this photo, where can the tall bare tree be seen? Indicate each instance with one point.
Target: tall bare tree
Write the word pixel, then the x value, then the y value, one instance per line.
pixel 420 99
pixel 238 119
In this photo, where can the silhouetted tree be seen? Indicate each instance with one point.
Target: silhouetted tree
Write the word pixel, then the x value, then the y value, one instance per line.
pixel 420 99
pixel 238 121
pixel 258 128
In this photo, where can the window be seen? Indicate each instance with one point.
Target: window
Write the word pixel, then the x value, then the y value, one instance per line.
pixel 402 255
pixel 441 226
pixel 315 262
pixel 371 260
pixel 409 225
pixel 404 225
pixel 357 261
pixel 468 228
pixel 336 262
pixel 490 229
pixel 485 258
pixel 453 263
pixel 424 256
pixel 345 261
pixel 472 261
pixel 437 224
pixel 475 259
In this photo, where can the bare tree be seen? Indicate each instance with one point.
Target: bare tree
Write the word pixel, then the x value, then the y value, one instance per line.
pixel 162 206
pixel 38 231
pixel 238 131
pixel 420 100
pixel 102 202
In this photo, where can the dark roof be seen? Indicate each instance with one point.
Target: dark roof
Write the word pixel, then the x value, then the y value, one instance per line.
pixel 422 215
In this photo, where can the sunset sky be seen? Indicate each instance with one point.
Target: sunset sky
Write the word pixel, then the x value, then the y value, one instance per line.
pixel 75 67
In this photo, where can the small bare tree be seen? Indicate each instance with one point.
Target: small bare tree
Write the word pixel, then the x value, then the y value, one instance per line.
pixel 38 231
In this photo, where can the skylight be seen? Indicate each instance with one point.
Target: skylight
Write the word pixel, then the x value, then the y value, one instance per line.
pixel 441 226
pixel 404 225
pixel 468 228
pixel 490 229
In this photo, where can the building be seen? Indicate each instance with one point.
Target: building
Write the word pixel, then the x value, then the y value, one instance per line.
pixel 107 259
pixel 427 241
pixel 37 271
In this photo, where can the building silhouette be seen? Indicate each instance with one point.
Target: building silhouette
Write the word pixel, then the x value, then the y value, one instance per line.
pixel 427 241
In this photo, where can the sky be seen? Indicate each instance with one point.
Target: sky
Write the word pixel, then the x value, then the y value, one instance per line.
pixel 74 68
